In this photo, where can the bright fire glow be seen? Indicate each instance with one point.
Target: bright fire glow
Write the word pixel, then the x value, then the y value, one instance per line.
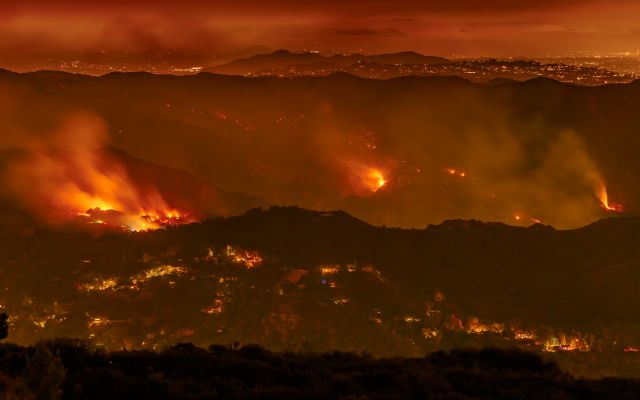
pixel 71 174
pixel 134 222
pixel 376 179
pixel 456 172
pixel 364 179
pixel 603 196
pixel 521 218
pixel 249 259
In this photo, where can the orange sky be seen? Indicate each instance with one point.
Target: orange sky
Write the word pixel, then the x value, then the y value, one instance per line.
pixel 198 31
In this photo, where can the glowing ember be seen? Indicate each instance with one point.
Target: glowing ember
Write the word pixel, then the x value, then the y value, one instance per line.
pixel 456 172
pixel 341 301
pixel 604 200
pixel 99 285
pixel 249 259
pixel 525 335
pixel 96 322
pixel 163 270
pixel 329 270
pixel 134 222
pixel 216 308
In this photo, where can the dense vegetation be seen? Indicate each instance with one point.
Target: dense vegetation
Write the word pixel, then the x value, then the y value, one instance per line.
pixel 71 370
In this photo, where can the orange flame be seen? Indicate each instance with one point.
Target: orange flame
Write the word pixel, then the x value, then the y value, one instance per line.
pixel 72 175
pixel 364 179
pixel 456 172
pixel 368 180
pixel 603 196
pixel 376 180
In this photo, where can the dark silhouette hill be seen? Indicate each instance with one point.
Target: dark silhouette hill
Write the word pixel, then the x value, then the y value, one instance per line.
pixel 69 369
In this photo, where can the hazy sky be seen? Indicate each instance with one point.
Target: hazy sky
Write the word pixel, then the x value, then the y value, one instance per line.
pixel 198 30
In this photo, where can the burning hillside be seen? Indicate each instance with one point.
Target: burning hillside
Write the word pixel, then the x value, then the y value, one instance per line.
pixel 72 175
pixel 408 161
pixel 364 180
pixel 603 196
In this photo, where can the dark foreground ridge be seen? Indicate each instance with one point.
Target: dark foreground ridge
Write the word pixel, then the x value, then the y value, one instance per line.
pixel 185 371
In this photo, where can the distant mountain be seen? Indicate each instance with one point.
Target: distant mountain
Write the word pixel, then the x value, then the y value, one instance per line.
pixel 283 58
pixel 388 66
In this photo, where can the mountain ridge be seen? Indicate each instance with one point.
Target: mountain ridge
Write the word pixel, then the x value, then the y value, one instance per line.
pixel 284 58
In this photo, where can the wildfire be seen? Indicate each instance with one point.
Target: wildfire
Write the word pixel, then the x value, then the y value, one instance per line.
pixel 72 173
pixel 99 285
pixel 216 308
pixel 329 270
pixel 368 180
pixel 134 222
pixel 528 219
pixel 249 259
pixel 96 322
pixel 603 196
pixel 525 335
pixel 364 179
pixel 163 270
pixel 376 179
pixel 456 172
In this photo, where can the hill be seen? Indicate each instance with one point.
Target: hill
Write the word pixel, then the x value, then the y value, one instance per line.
pixel 288 278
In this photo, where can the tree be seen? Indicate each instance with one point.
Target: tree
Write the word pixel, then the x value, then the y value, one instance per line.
pixel 4 326
pixel 45 373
